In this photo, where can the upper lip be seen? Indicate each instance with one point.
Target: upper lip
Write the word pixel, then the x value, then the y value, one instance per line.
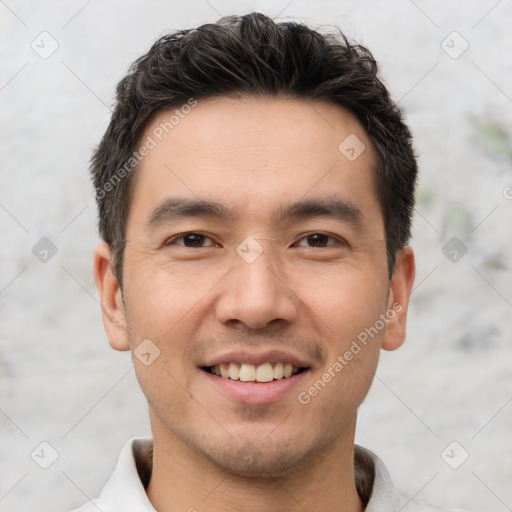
pixel 257 358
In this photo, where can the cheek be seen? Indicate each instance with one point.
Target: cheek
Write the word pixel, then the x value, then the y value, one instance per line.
pixel 346 307
pixel 344 302
pixel 157 309
pixel 167 305
pixel 162 295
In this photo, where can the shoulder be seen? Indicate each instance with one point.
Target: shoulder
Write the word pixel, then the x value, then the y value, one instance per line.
pixel 384 496
pixel 125 490
pixel 88 507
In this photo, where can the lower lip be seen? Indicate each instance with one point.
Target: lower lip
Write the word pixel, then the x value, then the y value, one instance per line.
pixel 255 392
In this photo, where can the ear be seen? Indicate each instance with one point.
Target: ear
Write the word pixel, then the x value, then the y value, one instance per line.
pixel 398 300
pixel 112 307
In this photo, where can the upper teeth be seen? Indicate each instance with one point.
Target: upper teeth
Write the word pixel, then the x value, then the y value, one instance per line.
pixel 250 373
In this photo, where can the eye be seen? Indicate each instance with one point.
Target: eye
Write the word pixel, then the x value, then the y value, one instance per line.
pixel 192 240
pixel 319 240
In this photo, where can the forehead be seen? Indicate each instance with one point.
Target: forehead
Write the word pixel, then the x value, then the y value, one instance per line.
pixel 254 154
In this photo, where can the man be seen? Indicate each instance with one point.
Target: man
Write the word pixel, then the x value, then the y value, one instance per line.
pixel 255 190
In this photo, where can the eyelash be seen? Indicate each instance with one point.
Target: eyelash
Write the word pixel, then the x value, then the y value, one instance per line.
pixel 336 240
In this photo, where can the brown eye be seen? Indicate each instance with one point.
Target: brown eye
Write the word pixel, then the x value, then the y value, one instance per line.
pixel 319 240
pixel 192 240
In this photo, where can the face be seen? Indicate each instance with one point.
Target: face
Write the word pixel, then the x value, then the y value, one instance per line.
pixel 256 248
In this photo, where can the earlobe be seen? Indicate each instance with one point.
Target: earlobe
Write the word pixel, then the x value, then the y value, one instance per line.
pixel 112 307
pixel 398 301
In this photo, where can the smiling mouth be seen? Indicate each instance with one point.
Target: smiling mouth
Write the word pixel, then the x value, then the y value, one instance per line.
pixel 245 372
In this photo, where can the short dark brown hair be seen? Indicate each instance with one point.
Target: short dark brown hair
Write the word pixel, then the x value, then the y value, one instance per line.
pixel 253 55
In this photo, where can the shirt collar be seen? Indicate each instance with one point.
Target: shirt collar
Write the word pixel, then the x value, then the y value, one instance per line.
pixel 125 490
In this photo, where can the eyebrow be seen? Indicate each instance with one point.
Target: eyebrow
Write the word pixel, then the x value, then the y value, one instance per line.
pixel 175 208
pixel 336 207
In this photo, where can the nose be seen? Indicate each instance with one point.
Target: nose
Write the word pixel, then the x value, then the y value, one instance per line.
pixel 255 295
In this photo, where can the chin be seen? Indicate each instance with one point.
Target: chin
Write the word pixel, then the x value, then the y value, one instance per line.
pixel 256 462
pixel 264 458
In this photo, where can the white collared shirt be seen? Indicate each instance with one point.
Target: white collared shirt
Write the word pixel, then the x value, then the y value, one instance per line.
pixel 125 492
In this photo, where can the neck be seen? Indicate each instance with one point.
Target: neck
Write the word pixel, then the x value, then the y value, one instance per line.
pixel 183 480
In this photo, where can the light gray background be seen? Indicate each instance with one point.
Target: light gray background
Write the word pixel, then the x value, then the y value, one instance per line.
pixel 451 381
